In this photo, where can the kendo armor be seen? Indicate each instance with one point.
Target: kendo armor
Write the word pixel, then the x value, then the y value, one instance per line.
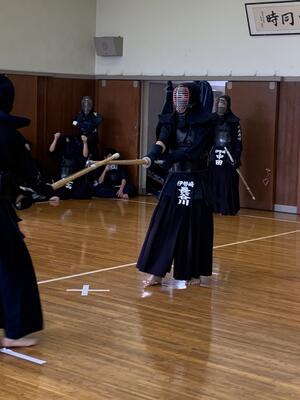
pixel 8 187
pixel 222 135
pixel 185 139
pixel 86 105
pixel 182 98
pixel 187 97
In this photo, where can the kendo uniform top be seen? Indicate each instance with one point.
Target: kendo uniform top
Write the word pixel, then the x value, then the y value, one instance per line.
pixel 181 228
pixel 88 125
pixel 20 308
pixel 69 154
pixel 112 181
pixel 223 178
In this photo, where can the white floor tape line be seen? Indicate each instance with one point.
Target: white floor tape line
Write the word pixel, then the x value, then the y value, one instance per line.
pixel 86 289
pixel 22 356
pixel 256 239
pixel 85 273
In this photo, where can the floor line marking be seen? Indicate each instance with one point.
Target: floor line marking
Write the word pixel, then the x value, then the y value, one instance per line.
pixel 132 264
pixel 256 239
pixel 22 356
pixel 142 202
pixel 269 218
pixel 86 290
pixel 239 215
pixel 134 201
pixel 85 273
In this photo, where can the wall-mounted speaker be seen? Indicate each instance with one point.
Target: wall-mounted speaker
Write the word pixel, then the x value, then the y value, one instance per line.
pixel 107 46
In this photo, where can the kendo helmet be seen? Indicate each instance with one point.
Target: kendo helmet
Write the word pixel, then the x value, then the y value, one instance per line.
pixel 86 105
pixel 186 95
pixel 7 94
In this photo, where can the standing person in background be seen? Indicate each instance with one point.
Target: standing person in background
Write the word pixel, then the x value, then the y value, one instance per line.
pixel 88 122
pixel 181 228
pixel 223 177
pixel 20 307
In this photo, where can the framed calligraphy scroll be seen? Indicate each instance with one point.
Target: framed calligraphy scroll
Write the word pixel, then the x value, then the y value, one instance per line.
pixel 273 18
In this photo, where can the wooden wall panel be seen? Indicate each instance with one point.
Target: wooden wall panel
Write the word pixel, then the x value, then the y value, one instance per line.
pixel 288 144
pixel 119 103
pixel 298 184
pixel 59 101
pixel 25 104
pixel 51 104
pixel 256 105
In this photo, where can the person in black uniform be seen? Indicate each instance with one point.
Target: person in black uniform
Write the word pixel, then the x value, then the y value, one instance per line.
pixel 113 180
pixel 71 152
pixel 88 122
pixel 181 228
pixel 20 308
pixel 223 177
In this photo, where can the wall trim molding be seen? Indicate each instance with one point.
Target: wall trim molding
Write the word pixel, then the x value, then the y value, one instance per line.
pixel 286 209
pixel 192 78
pixel 142 77
pixel 291 78
pixel 47 74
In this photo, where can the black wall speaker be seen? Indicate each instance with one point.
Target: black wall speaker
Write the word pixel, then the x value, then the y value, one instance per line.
pixel 109 46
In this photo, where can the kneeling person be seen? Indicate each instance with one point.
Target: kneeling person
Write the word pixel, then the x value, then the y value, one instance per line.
pixel 113 181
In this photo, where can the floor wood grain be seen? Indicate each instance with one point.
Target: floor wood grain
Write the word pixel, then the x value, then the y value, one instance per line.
pixel 234 338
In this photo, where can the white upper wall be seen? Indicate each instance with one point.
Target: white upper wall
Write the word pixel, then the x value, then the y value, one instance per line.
pixel 48 36
pixel 169 37
pixel 192 37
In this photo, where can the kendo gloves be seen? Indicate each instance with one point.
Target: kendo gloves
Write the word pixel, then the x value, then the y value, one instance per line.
pixel 172 158
pixel 28 196
pixel 167 160
pixel 152 155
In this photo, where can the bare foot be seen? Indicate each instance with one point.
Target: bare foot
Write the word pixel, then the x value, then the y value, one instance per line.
pixel 22 342
pixel 193 282
pixel 125 196
pixel 153 281
pixel 54 201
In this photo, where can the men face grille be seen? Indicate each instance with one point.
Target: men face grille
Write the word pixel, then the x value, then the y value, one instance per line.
pixel 181 98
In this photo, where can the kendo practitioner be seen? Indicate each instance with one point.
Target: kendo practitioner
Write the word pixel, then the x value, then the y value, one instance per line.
pixel 181 228
pixel 71 152
pixel 88 122
pixel 20 308
pixel 223 177
pixel 113 181
pixel 156 175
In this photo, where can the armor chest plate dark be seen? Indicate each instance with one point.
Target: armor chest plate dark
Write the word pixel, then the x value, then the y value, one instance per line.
pixel 185 137
pixel 222 135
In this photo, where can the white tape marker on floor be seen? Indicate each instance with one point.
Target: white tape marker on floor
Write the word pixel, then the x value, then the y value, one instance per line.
pixel 86 289
pixel 22 356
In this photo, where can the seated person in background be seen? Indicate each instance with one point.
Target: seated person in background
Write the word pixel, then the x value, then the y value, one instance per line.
pixel 71 152
pixel 113 181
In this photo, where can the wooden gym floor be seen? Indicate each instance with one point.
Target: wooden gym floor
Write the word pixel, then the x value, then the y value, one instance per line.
pixel 237 337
